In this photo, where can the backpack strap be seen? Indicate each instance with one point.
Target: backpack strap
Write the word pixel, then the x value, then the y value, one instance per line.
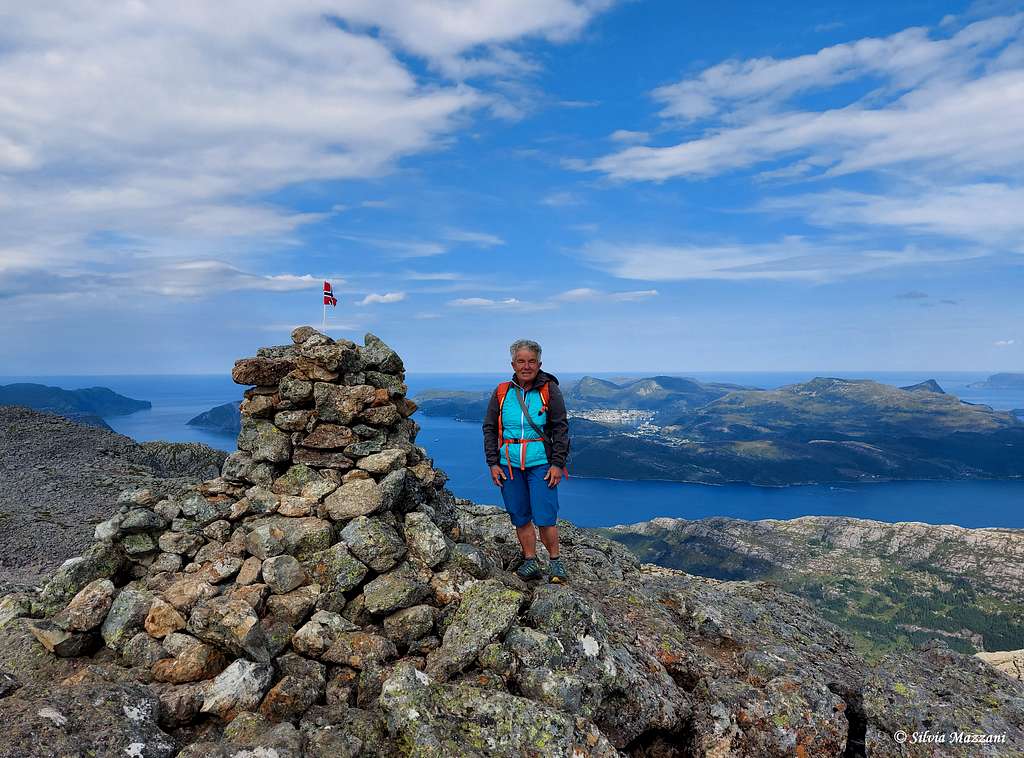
pixel 502 392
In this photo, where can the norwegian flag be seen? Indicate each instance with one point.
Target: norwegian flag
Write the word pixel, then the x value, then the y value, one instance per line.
pixel 329 298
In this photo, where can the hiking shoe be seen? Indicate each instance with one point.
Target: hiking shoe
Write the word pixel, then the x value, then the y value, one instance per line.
pixel 556 572
pixel 529 569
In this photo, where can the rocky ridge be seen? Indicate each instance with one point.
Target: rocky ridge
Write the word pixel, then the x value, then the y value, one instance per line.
pixel 60 478
pixel 326 595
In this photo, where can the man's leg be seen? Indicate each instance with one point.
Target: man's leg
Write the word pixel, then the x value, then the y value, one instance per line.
pixel 549 536
pixel 544 505
pixel 528 540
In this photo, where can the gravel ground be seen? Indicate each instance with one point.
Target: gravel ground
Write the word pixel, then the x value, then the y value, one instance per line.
pixel 59 478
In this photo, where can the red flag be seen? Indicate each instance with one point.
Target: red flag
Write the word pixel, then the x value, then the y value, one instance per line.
pixel 329 298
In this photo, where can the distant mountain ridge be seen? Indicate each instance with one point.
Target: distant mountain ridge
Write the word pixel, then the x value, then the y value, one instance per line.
pixel 85 406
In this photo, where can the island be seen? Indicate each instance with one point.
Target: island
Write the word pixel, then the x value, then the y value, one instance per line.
pixel 223 419
pixel 84 406
pixel 828 429
pixel 1001 382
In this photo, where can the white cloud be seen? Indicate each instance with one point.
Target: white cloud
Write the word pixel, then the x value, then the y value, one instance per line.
pixel 586 293
pixel 904 60
pixel 984 212
pixel 166 124
pixel 1005 343
pixel 561 199
pixel 945 105
pixel 193 278
pixel 400 248
pixel 625 135
pixel 387 297
pixel 485 302
pixel 792 258
pixel 480 239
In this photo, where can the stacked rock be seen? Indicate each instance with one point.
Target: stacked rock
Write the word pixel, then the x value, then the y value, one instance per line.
pixel 324 556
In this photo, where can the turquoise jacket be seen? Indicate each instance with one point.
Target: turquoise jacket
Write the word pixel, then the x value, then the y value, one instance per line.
pixel 515 426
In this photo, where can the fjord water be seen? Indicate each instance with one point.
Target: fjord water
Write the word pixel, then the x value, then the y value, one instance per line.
pixel 457 449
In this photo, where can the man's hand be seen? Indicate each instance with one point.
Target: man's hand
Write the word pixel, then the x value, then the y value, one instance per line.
pixel 553 477
pixel 498 475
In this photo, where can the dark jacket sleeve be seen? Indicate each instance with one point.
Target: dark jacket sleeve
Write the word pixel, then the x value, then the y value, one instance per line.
pixel 491 431
pixel 557 427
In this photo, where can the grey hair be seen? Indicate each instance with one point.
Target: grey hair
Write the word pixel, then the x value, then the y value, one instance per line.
pixel 518 345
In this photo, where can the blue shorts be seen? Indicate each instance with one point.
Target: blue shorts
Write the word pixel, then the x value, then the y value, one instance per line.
pixel 528 498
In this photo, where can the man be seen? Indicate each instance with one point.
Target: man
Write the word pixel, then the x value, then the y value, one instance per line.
pixel 526 434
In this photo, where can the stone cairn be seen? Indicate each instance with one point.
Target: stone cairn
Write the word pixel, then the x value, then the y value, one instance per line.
pixel 322 561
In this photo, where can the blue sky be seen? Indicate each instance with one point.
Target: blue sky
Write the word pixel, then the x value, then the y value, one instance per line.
pixel 637 185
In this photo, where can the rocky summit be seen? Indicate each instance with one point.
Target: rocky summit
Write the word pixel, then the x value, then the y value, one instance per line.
pixel 326 595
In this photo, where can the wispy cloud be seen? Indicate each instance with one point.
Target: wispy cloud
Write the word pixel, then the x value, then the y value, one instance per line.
pixel 400 248
pixel 480 239
pixel 1005 343
pixel 581 294
pixel 953 103
pixel 387 297
pixel 561 199
pixel 912 295
pixel 625 135
pixel 793 258
pixel 984 212
pixel 485 302
pixel 196 278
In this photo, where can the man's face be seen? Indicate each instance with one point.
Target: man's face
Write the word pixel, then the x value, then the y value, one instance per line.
pixel 526 365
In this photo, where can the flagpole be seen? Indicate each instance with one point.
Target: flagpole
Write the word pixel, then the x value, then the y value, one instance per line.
pixel 323 327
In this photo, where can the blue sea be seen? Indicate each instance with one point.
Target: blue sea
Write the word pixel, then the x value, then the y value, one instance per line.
pixel 457 448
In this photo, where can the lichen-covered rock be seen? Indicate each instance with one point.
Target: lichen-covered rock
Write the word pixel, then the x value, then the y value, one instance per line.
pixel 302 536
pixel 320 632
pixel 302 684
pixel 487 611
pixel 426 541
pixel 91 719
pixel 239 687
pixel 294 607
pixel 15 605
pixel 373 542
pixel 163 619
pixel 64 643
pixel 231 624
pixel 329 436
pixel 294 480
pixel 940 691
pixel 377 355
pixel 340 404
pixel 360 649
pixel 261 371
pixel 409 624
pixel 461 720
pixel 191 661
pixel 470 559
pixel 336 571
pixel 283 573
pixel 264 441
pixel 185 593
pixel 355 498
pixel 88 607
pixel 100 561
pixel 383 462
pixel 399 588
